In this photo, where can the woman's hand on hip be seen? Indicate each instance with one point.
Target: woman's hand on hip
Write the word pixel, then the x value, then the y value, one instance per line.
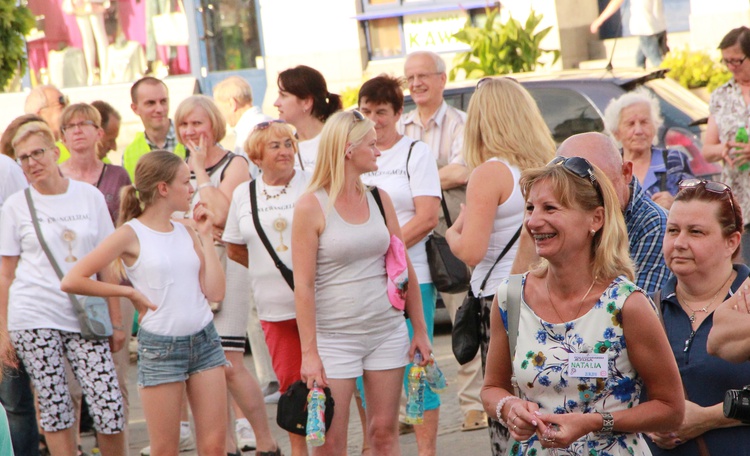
pixel 312 370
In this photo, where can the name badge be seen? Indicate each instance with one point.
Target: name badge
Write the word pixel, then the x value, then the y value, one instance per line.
pixel 588 365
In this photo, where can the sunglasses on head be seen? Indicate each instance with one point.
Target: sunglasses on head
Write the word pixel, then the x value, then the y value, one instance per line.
pixel 710 186
pixel 358 116
pixel 581 168
pixel 268 123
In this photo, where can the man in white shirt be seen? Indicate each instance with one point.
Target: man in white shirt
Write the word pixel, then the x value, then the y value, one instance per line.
pixel 647 23
pixel 234 98
pixel 441 126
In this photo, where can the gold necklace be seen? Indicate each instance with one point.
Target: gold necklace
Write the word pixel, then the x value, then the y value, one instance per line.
pixel 580 304
pixel 705 308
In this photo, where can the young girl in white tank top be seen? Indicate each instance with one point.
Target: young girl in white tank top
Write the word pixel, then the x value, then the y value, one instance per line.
pixel 175 272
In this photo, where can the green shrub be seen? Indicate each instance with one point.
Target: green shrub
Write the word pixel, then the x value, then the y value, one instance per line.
pixel 15 22
pixel 501 48
pixel 694 69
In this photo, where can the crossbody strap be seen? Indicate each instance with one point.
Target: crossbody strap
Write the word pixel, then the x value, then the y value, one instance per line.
pixel 502 254
pixel 379 202
pixel 513 307
pixel 35 220
pixel 285 271
pixel 444 205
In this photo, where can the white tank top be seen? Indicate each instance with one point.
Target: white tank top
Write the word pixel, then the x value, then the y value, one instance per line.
pixel 166 272
pixel 350 284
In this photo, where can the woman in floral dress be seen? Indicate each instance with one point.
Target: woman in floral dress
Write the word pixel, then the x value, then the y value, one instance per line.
pixel 589 340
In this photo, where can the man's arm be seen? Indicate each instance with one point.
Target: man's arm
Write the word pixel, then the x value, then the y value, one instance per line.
pixel 453 175
pixel 611 9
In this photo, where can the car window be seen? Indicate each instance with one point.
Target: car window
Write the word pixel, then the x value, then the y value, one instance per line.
pixel 566 112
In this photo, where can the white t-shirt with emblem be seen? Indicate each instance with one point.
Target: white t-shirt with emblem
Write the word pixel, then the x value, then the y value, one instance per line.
pixel 273 297
pixel 308 154
pixel 72 223
pixel 422 180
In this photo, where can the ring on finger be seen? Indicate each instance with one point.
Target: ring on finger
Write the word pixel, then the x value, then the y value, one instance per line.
pixel 515 427
pixel 513 421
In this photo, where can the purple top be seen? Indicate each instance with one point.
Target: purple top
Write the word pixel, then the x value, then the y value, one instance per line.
pixel 112 179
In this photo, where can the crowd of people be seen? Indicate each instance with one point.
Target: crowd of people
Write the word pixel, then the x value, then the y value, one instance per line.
pixel 612 281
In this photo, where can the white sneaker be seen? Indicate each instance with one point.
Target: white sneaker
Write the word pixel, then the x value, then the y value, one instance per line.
pixel 186 444
pixel 272 398
pixel 245 437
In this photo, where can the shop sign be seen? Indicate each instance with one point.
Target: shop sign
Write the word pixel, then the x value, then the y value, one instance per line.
pixel 434 31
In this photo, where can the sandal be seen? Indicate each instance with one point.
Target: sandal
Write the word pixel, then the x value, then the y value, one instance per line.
pixel 276 452
pixel 473 420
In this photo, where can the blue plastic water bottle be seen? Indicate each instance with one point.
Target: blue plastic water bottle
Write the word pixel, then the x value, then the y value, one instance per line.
pixel 415 392
pixel 434 377
pixel 316 422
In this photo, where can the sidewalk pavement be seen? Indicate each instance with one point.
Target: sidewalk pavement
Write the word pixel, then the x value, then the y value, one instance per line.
pixel 451 441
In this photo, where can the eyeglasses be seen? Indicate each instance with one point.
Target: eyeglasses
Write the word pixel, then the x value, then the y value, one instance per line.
pixel 711 186
pixel 268 123
pixel 734 62
pixel 581 168
pixel 85 123
pixel 421 76
pixel 358 116
pixel 37 155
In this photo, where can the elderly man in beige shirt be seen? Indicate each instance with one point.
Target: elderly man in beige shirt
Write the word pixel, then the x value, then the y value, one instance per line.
pixel 441 126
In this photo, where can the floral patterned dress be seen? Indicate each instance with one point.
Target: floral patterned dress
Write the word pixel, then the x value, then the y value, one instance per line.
pixel 541 367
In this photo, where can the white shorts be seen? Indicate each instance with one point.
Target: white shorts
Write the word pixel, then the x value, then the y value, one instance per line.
pixel 349 355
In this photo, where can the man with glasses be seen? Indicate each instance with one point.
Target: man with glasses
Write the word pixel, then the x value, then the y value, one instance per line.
pixel 645 220
pixel 48 103
pixel 647 22
pixel 441 126
pixel 150 102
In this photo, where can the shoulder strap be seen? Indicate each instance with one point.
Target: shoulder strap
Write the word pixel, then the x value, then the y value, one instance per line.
pixel 229 157
pixel 379 202
pixel 513 306
pixel 287 273
pixel 663 177
pixel 408 157
pixel 446 214
pixel 101 176
pixel 502 254
pixel 35 220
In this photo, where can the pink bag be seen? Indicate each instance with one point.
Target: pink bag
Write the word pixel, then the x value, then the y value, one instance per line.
pixel 398 274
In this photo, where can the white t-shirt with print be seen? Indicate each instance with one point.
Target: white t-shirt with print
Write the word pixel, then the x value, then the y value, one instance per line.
pixel 273 297
pixel 72 223
pixel 422 180
pixel 308 154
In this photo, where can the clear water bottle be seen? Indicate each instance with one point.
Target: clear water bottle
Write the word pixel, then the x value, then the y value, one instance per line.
pixel 434 377
pixel 316 410
pixel 742 137
pixel 415 392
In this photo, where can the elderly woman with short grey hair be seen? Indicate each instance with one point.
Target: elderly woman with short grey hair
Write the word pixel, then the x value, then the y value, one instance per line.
pixel 633 121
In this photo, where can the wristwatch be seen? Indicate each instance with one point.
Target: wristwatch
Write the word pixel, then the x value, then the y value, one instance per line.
pixel 608 423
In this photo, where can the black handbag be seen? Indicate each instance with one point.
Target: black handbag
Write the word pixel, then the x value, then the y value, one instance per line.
pixel 465 336
pixel 449 274
pixel 291 413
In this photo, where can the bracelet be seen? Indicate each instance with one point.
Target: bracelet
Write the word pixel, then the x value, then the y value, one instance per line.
pixel 608 423
pixel 118 327
pixel 204 185
pixel 499 409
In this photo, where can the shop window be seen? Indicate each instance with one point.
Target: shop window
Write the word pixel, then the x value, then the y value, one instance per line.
pixel 232 34
pixel 385 37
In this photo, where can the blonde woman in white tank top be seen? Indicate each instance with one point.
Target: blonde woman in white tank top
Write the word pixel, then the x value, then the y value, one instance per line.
pixel 187 345
pixel 347 326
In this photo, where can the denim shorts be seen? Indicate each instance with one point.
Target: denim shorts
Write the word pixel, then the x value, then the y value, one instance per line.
pixel 169 359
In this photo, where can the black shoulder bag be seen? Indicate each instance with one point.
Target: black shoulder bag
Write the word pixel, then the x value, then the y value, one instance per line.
pixel 465 336
pixel 283 269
